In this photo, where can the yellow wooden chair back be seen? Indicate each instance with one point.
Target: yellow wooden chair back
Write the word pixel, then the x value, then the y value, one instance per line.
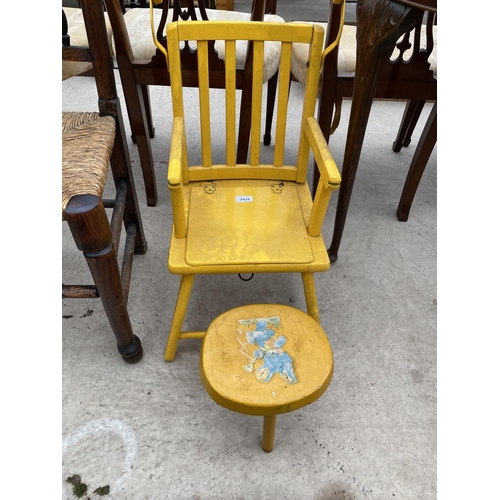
pixel 201 32
pixel 258 33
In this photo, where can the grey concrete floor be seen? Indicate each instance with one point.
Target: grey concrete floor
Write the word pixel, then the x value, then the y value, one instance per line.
pixel 150 431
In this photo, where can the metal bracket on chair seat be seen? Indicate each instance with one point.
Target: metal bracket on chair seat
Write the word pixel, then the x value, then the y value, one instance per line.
pixel 277 188
pixel 210 187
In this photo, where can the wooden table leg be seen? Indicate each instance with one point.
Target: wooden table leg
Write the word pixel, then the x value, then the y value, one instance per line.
pixel 380 24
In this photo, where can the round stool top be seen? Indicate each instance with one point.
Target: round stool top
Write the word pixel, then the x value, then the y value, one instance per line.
pixel 265 359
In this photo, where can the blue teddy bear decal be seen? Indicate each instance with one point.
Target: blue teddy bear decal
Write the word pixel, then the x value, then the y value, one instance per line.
pixel 270 351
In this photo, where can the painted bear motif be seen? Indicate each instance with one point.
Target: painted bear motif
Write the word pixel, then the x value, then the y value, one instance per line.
pixel 274 358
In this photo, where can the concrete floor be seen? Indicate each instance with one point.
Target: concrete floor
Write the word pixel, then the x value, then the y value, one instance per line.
pixel 150 431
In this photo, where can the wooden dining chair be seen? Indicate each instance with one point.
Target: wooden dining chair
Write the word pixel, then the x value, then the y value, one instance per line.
pixel 410 74
pixel 255 217
pixel 91 143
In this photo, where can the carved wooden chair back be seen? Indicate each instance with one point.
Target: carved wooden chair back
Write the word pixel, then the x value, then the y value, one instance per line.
pixel 411 72
pixel 91 142
pixel 254 217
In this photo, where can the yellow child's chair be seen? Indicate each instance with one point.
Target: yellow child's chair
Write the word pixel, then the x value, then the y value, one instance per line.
pixel 251 218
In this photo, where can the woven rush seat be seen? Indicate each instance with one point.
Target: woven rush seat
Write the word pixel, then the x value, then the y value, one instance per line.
pixel 87 143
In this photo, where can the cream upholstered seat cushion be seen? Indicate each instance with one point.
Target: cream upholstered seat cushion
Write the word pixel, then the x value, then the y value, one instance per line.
pixel 347 53
pixel 78 36
pixel 143 47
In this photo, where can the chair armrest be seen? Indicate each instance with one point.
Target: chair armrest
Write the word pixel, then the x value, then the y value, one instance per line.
pixel 329 178
pixel 177 163
pixel 330 174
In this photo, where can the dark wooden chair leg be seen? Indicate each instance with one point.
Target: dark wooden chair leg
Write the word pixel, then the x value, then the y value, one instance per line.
pixel 136 103
pixel 147 110
pixel 138 123
pixel 371 55
pixel 271 96
pixel 245 124
pixel 410 118
pixel 420 158
pixel 272 85
pixel 89 225
pixel 258 9
pixel 122 171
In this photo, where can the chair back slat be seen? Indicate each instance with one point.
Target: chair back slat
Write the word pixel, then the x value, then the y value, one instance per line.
pixel 203 83
pixel 257 73
pixel 231 103
pixel 175 76
pixel 258 33
pixel 283 94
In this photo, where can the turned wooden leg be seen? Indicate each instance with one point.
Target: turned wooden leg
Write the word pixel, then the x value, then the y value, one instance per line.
pixel 179 314
pixel 420 158
pixel 410 118
pixel 271 95
pixel 90 228
pixel 268 433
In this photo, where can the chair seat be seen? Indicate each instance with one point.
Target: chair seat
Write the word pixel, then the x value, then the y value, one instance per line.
pixel 347 52
pixel 226 234
pixel 265 359
pixel 78 37
pixel 143 47
pixel 87 144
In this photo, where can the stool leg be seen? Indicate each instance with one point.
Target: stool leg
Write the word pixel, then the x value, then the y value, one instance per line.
pixel 268 433
pixel 310 293
pixel 179 314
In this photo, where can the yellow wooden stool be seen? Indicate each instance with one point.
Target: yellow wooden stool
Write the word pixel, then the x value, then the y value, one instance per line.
pixel 265 359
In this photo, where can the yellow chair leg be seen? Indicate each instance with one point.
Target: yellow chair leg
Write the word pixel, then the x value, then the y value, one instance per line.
pixel 179 314
pixel 310 293
pixel 268 434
